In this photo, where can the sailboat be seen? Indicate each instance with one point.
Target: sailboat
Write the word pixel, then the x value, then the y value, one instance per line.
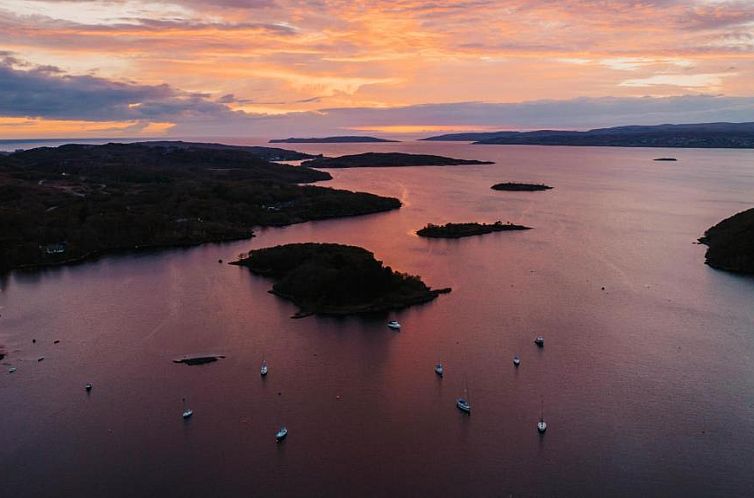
pixel 463 402
pixel 281 434
pixel 187 412
pixel 542 425
pixel 264 368
pixel 439 370
pixel 516 360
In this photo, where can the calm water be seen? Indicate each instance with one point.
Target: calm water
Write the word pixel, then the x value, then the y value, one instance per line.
pixel 648 385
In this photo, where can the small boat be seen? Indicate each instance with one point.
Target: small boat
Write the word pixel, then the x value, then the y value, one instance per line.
pixel 463 405
pixel 540 341
pixel 11 370
pixel 393 324
pixel 516 360
pixel 282 433
pixel 463 402
pixel 439 370
pixel 87 387
pixel 264 368
pixel 541 425
pixel 187 412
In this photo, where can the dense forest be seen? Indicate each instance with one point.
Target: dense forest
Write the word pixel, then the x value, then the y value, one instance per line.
pixel 731 243
pixel 458 230
pixel 67 203
pixel 336 279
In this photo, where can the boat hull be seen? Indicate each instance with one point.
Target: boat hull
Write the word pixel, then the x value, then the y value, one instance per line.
pixel 464 406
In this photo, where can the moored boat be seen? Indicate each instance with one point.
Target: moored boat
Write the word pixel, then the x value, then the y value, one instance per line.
pixel 463 405
pixel 542 425
pixel 281 434
pixel 187 412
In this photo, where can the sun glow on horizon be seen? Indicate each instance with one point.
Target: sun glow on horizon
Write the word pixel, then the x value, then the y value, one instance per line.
pixel 213 66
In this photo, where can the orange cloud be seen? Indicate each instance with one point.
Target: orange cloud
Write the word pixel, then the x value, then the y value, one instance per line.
pixel 296 56
pixel 54 128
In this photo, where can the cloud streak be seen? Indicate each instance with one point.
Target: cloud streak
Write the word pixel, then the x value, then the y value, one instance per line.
pixel 191 61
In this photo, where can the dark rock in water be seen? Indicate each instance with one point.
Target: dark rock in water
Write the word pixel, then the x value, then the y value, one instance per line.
pixel 198 360
pixel 458 230
pixel 665 159
pixel 731 243
pixel 520 187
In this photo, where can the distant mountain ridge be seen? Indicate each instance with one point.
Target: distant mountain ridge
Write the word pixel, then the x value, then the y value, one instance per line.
pixel 701 135
pixel 330 140
pixel 266 153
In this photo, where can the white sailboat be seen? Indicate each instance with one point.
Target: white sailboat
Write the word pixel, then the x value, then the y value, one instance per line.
pixel 463 403
pixel 264 368
pixel 439 369
pixel 516 360
pixel 187 412
pixel 281 434
pixel 542 425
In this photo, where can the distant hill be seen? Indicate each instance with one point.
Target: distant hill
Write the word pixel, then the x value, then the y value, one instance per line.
pixel 330 140
pixel 469 136
pixel 266 153
pixel 703 135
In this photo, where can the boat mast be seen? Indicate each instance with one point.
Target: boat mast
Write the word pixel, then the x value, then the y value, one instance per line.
pixel 541 409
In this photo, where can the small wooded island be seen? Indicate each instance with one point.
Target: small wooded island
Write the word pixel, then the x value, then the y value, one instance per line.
pixel 64 204
pixel 458 230
pixel 731 243
pixel 347 139
pixel 520 187
pixel 335 279
pixel 387 159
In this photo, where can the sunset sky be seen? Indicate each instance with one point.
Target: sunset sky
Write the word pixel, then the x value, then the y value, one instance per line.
pixel 284 67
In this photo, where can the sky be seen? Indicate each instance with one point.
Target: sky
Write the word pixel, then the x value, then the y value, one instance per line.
pixel 276 68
